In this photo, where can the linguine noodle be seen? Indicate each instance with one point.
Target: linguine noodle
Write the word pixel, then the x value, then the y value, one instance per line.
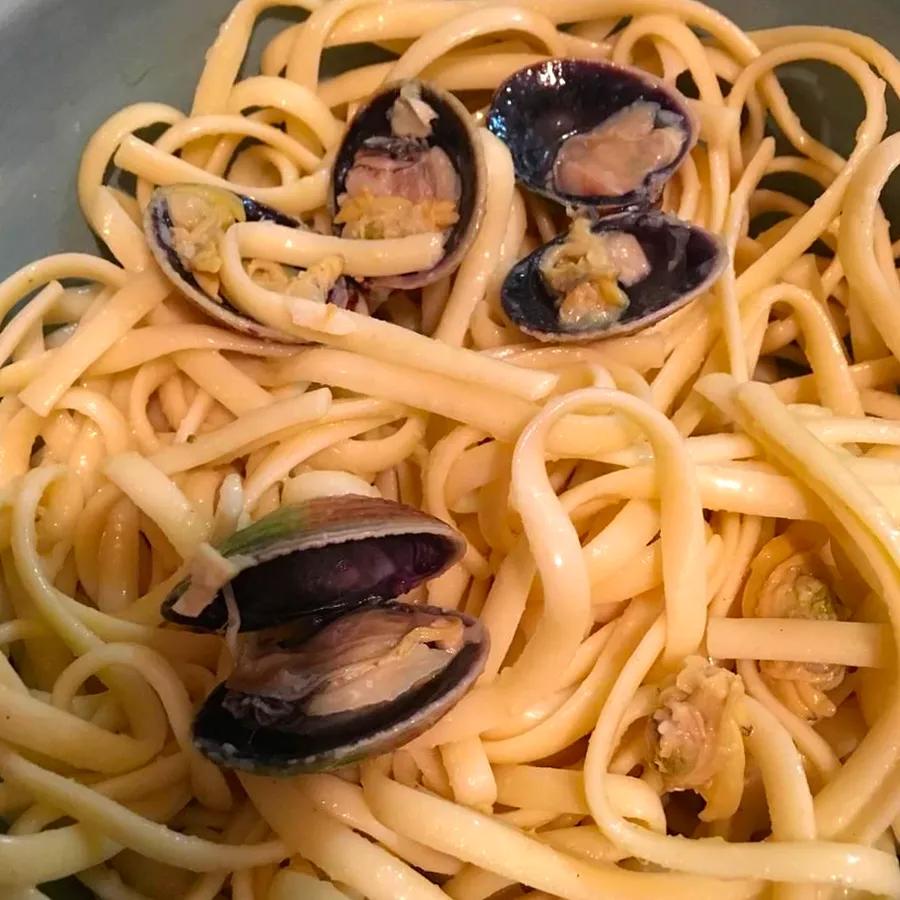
pixel 699 516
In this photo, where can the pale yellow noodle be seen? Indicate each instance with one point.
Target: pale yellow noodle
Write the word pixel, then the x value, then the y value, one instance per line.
pixel 471 280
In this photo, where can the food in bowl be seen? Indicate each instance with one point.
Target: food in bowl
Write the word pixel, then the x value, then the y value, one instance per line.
pixel 466 476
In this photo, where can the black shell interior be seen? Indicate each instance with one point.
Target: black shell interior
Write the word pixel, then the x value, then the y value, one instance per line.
pixel 317 581
pixel 311 744
pixel 684 260
pixel 540 106
pixel 450 131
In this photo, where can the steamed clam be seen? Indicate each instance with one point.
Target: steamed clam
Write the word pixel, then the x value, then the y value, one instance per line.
pixel 593 134
pixel 319 556
pixel 603 140
pixel 184 225
pixel 613 276
pixel 696 735
pixel 305 699
pixel 802 586
pixel 410 163
pixel 329 666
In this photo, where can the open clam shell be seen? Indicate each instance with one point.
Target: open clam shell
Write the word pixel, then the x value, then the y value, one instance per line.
pixel 406 164
pixel 592 133
pixel 320 557
pixel 160 223
pixel 184 223
pixel 362 684
pixel 679 262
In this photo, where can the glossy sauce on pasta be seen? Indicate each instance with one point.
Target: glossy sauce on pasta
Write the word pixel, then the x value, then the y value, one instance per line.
pixel 696 520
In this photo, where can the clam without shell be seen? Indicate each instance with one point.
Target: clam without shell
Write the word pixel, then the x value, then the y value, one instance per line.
pixel 184 224
pixel 590 133
pixel 613 276
pixel 329 667
pixel 410 162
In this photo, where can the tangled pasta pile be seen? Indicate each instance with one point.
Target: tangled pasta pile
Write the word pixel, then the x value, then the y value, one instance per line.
pixel 682 542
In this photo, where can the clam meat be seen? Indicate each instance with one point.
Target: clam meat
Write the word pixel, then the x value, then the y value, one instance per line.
pixel 410 163
pixel 799 588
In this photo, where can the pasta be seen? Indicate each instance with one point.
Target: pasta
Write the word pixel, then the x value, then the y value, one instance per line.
pixel 682 542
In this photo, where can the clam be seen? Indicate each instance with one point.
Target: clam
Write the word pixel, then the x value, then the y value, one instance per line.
pixel 323 555
pixel 329 665
pixel 184 225
pixel 591 133
pixel 309 699
pixel 696 733
pixel 410 162
pixel 800 587
pixel 613 276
